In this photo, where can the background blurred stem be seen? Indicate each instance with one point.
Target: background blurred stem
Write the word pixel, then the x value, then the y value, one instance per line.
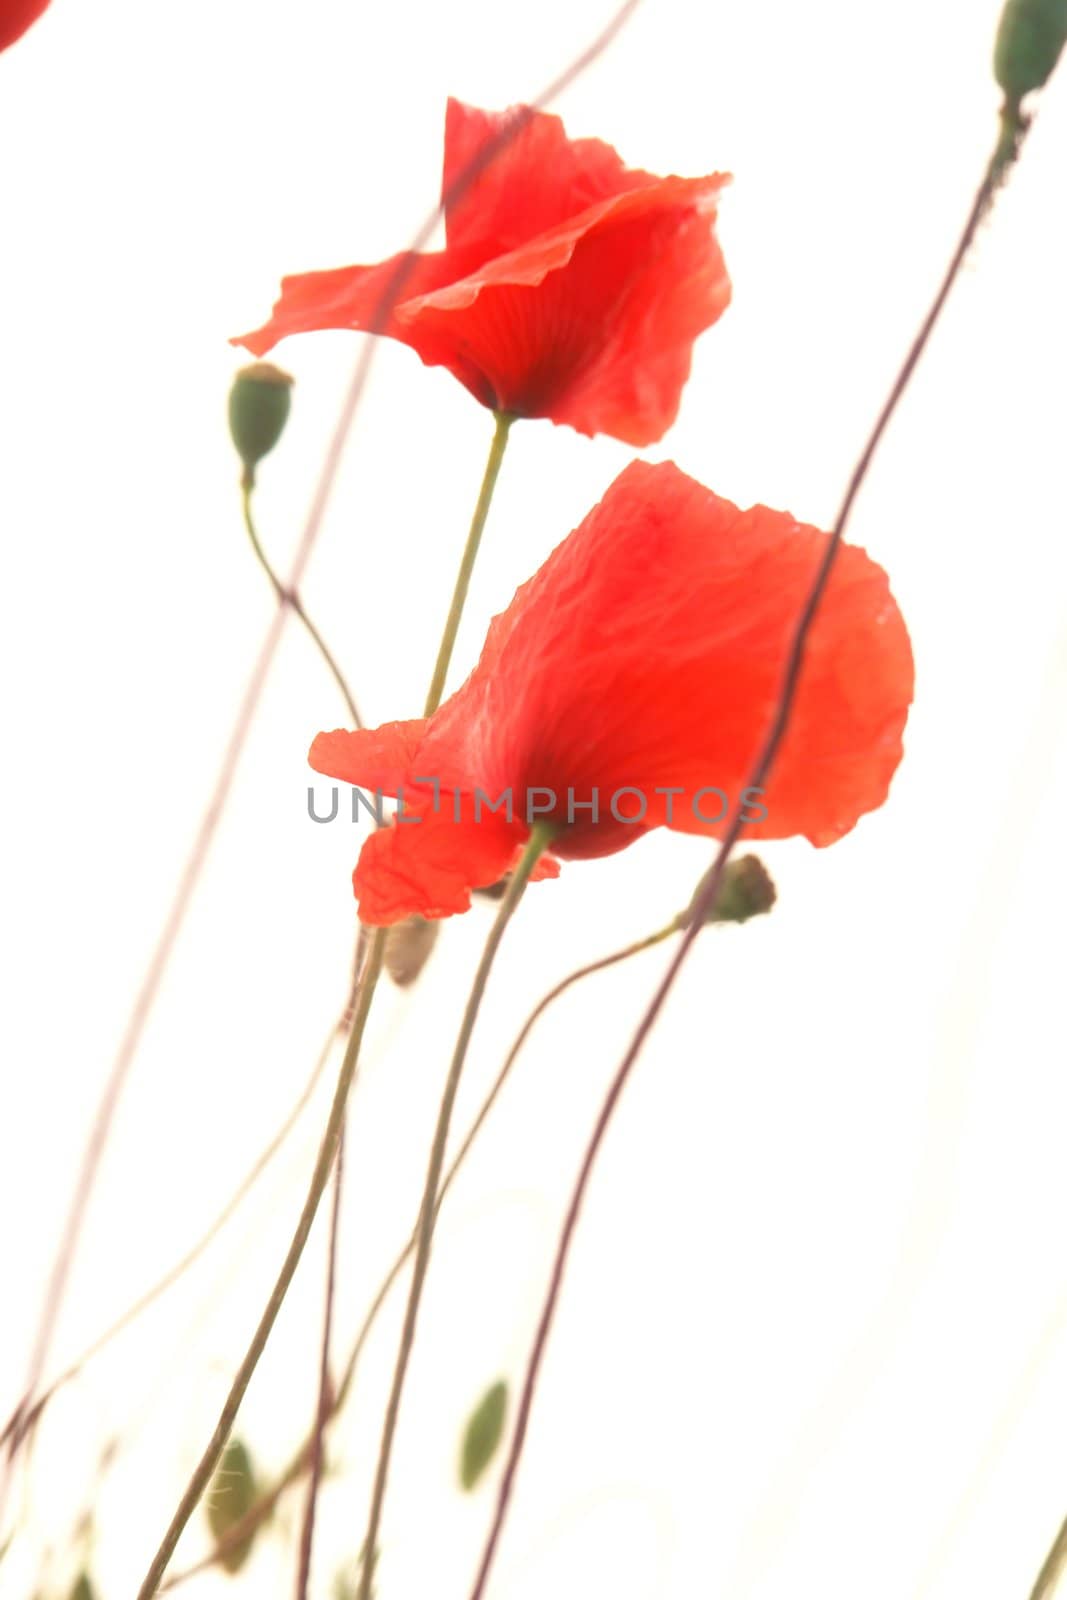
pixel 192 1255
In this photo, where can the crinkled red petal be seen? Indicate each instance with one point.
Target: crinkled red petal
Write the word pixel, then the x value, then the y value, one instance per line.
pixel 428 864
pixel 571 287
pixel 649 652
pixel 373 758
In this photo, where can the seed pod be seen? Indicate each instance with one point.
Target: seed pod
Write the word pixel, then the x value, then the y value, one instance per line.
pixel 408 947
pixel 259 410
pixel 483 1433
pixel 745 890
pixel 83 1589
pixel 233 1492
pixel 1030 38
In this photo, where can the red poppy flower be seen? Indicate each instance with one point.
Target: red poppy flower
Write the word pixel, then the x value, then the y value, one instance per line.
pixel 16 16
pixel 570 286
pixel 642 663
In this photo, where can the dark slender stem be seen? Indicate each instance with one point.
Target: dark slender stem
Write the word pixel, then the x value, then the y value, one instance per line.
pixel 466 566
pixel 538 841
pixel 324 1401
pixel 290 597
pixel 327 1153
pixel 709 888
pixel 263 1507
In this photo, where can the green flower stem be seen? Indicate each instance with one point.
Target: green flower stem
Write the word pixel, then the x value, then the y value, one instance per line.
pixel 466 566
pixel 300 1462
pixel 539 839
pixel 328 1150
pixel 327 1154
pixel 290 597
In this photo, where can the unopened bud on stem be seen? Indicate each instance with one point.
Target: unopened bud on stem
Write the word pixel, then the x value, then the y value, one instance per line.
pixel 408 947
pixel 259 410
pixel 1030 39
pixel 745 890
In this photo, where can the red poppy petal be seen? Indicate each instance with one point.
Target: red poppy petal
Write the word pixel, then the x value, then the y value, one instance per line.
pixel 381 759
pixel 429 866
pixel 591 324
pixel 353 297
pixel 547 866
pixel 674 612
pixel 537 180
pixel 572 288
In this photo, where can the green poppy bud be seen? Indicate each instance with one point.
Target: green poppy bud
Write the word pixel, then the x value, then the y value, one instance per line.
pixel 232 1494
pixel 408 947
pixel 259 410
pixel 745 890
pixel 1030 38
pixel 483 1433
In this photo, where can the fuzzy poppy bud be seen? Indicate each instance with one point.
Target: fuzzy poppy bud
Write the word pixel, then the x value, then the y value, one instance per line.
pixel 233 1493
pixel 745 890
pixel 1031 36
pixel 483 1434
pixel 408 948
pixel 259 410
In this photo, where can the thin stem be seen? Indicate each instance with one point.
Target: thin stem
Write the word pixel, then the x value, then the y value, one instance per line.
pixel 324 1402
pixel 327 1152
pixel 263 1507
pixel 708 890
pixel 540 836
pixel 1052 1567
pixel 290 597
pixel 466 566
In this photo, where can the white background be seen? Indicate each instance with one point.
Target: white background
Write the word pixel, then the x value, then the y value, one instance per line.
pixel 814 1334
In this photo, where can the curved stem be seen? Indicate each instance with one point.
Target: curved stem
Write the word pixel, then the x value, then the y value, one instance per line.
pixel 263 1507
pixel 290 597
pixel 466 566
pixel 540 836
pixel 708 889
pixel 327 1153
